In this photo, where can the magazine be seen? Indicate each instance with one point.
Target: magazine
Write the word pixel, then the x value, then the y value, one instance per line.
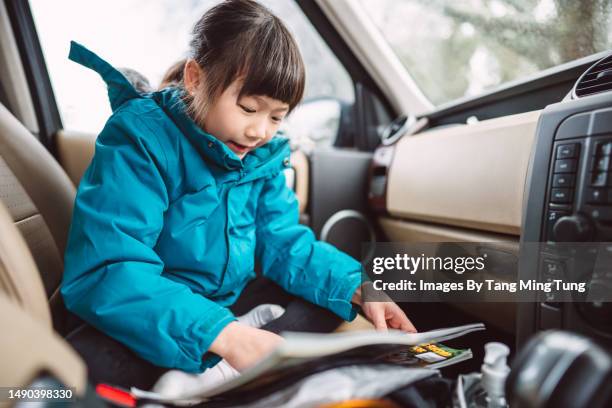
pixel 429 355
pixel 303 354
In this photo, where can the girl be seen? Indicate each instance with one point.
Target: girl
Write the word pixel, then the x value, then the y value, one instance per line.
pixel 184 194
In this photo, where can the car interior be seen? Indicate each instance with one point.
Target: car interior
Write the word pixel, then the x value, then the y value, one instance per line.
pixel 482 169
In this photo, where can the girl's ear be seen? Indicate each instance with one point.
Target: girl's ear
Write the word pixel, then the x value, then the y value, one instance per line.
pixel 192 76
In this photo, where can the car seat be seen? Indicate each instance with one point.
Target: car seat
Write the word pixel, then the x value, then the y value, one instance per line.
pixel 39 197
pixel 29 347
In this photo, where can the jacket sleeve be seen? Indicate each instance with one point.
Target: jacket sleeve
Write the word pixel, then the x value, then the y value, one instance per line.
pixel 291 256
pixel 113 276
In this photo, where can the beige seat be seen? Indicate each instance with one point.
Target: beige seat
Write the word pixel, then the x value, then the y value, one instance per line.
pixel 28 346
pixel 39 197
pixel 28 350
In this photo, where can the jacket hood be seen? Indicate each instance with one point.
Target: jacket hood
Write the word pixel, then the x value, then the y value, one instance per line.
pixel 265 160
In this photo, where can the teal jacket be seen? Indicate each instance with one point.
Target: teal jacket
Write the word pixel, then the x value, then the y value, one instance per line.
pixel 168 223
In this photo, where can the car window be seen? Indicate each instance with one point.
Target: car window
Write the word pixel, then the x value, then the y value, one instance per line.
pixel 149 37
pixel 460 48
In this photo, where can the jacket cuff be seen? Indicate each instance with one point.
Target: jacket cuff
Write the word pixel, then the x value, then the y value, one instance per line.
pixel 340 297
pixel 196 359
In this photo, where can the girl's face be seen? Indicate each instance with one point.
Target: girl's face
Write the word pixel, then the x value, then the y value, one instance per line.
pixel 244 123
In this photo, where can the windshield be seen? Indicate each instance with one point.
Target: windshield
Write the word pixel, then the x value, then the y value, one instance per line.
pixel 461 48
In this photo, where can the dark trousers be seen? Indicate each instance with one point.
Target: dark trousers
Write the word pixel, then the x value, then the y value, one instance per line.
pixel 111 362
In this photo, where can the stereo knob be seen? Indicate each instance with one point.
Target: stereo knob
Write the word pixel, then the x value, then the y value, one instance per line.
pixel 572 228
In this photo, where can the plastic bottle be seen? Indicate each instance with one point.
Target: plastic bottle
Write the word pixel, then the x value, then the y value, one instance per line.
pixel 495 370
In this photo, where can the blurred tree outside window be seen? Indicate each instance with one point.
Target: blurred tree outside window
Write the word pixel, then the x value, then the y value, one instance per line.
pixel 462 48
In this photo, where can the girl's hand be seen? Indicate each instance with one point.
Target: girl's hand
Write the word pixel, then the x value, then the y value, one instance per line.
pixel 384 315
pixel 387 315
pixel 243 346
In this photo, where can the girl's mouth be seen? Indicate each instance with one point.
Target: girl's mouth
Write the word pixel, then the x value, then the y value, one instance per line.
pixel 238 148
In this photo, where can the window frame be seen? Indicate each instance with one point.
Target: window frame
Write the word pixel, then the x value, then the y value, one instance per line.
pixel 363 137
pixel 35 68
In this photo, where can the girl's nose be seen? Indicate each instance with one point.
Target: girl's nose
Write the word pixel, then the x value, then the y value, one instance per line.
pixel 257 130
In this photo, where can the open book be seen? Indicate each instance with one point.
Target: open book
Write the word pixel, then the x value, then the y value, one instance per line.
pixel 303 354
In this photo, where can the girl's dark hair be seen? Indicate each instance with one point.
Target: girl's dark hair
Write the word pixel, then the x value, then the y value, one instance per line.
pixel 243 39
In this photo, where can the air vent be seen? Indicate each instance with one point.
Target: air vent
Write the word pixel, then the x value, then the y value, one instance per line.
pixel 596 79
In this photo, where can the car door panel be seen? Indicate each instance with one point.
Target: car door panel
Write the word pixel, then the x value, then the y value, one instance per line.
pixel 338 183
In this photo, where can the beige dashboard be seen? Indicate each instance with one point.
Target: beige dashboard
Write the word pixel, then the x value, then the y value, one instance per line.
pixel 470 176
pixel 463 183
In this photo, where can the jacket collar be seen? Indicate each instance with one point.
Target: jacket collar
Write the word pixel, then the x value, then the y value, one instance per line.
pixel 265 160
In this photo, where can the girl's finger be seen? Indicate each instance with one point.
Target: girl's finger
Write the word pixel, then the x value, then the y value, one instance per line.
pixel 396 320
pixel 394 323
pixel 401 320
pixel 378 319
pixel 407 326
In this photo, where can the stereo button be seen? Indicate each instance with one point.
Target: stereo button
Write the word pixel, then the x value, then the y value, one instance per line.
pixel 599 179
pixel 566 151
pixel 561 195
pixel 603 148
pixel 564 180
pixel 565 166
pixel 596 195
pixel 601 163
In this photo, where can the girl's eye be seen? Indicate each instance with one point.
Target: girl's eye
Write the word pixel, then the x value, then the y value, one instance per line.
pixel 276 119
pixel 247 109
